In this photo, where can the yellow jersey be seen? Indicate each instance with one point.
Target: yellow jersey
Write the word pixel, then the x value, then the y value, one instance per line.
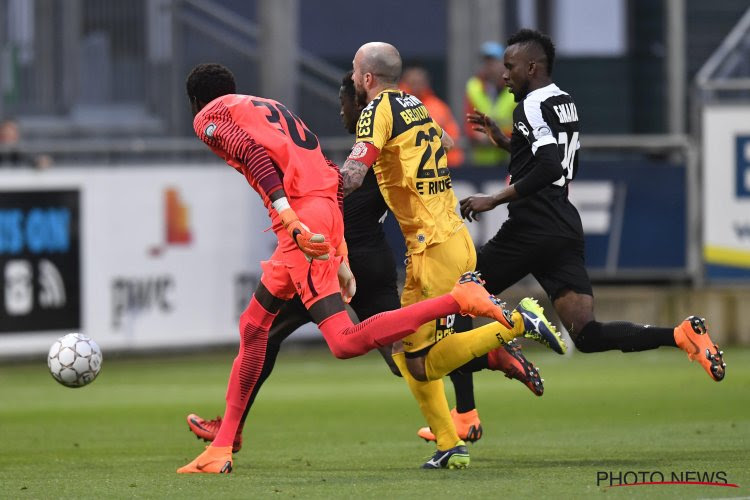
pixel 411 168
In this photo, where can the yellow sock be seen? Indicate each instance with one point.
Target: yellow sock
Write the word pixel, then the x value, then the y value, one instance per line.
pixel 432 403
pixel 458 349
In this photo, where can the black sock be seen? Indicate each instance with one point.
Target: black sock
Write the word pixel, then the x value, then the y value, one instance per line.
pixel 463 381
pixel 622 335
pixel 475 365
pixel 463 386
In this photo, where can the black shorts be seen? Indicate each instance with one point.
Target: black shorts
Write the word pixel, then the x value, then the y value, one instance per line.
pixel 375 272
pixel 557 262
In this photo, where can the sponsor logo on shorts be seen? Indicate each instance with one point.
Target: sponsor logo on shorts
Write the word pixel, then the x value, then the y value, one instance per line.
pixel 445 327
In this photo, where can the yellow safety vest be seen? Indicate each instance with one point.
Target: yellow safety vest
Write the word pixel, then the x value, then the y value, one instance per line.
pixel 500 109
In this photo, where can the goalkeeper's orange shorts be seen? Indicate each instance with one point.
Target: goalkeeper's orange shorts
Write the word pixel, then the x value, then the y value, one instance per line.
pixel 287 271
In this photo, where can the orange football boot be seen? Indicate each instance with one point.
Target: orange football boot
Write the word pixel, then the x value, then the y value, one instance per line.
pixel 692 337
pixel 474 300
pixel 468 427
pixel 215 460
pixel 509 359
pixel 207 430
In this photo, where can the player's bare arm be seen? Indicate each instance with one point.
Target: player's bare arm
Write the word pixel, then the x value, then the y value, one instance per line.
pixel 353 172
pixel 547 170
pixel 473 205
pixel 486 125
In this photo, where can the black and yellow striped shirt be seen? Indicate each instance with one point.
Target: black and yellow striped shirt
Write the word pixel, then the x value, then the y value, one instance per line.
pixel 411 169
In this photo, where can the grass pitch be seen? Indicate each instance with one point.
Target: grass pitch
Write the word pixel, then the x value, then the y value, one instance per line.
pixel 324 428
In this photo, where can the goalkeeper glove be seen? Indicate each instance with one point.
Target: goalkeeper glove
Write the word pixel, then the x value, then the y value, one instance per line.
pixel 347 283
pixel 313 245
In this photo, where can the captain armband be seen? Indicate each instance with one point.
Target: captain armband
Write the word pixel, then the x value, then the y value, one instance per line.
pixel 364 152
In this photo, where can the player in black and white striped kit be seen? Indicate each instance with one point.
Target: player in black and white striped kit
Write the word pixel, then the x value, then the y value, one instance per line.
pixel 543 235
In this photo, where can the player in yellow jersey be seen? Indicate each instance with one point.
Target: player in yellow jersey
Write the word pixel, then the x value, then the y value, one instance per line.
pixel 397 138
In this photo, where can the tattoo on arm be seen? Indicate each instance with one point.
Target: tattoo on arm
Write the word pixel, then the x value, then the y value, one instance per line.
pixel 353 172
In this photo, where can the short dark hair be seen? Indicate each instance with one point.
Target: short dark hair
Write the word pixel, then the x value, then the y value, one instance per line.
pixel 208 81
pixel 527 36
pixel 347 85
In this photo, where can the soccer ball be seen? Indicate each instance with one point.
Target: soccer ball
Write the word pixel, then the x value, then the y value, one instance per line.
pixel 74 360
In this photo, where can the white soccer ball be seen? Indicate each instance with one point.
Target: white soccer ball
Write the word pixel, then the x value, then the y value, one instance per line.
pixel 74 360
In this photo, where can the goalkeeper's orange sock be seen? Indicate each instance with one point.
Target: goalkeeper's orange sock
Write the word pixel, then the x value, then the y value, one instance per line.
pixel 347 340
pixel 432 404
pixel 254 325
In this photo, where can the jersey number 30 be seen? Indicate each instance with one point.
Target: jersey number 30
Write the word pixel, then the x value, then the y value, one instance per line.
pixel 568 155
pixel 309 141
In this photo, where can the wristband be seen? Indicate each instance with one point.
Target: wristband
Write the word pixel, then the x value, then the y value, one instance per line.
pixel 281 204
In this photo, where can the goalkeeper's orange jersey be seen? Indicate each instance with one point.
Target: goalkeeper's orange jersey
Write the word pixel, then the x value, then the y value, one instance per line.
pixel 270 146
pixel 411 168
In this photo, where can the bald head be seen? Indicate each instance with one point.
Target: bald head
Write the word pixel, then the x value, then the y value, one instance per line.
pixel 381 59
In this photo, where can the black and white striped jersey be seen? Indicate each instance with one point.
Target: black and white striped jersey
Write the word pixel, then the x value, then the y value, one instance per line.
pixel 546 116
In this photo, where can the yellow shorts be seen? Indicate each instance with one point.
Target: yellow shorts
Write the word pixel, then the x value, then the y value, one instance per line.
pixel 432 273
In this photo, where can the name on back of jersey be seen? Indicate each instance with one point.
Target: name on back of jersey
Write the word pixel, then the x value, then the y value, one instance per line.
pixel 414 115
pixel 434 187
pixel 408 101
pixel 414 110
pixel 566 112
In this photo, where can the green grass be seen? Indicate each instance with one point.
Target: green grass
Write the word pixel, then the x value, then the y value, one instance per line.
pixel 329 428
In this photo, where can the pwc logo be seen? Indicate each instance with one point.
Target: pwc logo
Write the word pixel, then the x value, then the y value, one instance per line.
pixel 177 218
pixel 177 229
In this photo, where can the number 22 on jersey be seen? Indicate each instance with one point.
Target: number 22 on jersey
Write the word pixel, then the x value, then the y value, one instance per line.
pixel 431 169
